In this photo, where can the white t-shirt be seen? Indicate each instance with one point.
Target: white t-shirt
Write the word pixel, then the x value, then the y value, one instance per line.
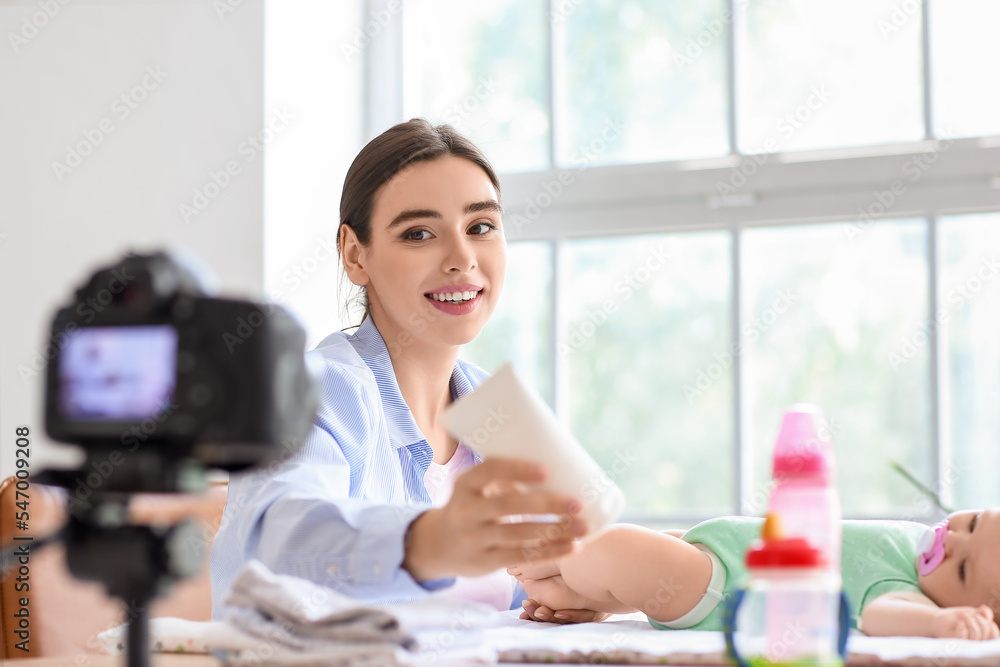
pixel 496 588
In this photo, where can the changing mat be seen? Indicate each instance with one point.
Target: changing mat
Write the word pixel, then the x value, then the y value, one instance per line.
pixel 621 639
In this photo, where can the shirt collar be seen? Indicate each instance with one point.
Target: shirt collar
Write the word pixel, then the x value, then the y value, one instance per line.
pixel 403 429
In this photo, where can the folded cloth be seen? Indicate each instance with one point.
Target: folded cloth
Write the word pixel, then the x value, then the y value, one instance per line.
pixel 179 635
pixel 306 623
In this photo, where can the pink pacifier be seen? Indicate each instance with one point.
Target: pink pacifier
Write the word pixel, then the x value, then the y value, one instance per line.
pixel 931 548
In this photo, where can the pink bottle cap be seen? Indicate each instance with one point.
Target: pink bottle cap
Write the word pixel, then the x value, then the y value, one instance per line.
pixel 803 446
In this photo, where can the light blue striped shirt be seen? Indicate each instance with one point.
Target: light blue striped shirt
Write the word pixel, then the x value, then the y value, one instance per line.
pixel 336 512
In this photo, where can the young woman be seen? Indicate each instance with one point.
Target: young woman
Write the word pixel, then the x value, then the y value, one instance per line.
pixel 381 503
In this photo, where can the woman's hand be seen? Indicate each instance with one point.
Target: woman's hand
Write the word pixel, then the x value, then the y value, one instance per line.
pixel 536 612
pixel 472 535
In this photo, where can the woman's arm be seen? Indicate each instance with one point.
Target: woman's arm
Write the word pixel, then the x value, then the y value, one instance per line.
pixel 337 513
pixel 909 614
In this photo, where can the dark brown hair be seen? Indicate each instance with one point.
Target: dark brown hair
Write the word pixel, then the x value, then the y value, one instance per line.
pixel 416 140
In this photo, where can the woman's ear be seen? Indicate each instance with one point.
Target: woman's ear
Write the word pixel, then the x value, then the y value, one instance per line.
pixel 353 256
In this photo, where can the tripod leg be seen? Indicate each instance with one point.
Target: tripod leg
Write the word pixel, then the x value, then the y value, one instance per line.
pixel 138 636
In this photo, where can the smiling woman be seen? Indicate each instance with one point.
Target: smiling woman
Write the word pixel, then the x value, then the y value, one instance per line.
pixel 434 229
pixel 381 503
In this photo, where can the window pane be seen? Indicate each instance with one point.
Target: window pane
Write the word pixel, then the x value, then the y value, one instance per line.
pixel 520 329
pixel 964 47
pixel 830 312
pixel 641 81
pixel 647 315
pixel 969 297
pixel 481 66
pixel 825 74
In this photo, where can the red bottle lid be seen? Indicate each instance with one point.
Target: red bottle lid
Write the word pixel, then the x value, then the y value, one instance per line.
pixel 776 550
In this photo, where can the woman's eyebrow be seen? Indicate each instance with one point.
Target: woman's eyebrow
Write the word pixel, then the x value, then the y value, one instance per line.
pixel 485 205
pixel 420 213
pixel 413 214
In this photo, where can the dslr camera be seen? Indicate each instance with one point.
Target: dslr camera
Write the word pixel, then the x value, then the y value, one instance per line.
pixel 159 382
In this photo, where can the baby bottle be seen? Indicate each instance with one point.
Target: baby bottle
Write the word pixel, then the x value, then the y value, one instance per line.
pixel 804 493
pixel 790 612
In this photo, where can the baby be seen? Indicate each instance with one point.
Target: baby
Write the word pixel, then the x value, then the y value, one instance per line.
pixel 949 587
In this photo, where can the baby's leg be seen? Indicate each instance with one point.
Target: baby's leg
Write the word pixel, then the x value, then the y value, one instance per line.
pixel 534 570
pixel 642 569
pixel 555 594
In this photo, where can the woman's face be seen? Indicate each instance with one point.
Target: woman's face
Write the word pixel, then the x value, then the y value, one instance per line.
pixel 435 265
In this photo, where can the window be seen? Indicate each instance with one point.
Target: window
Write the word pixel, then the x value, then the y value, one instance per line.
pixel 625 65
pixel 823 74
pixel 480 66
pixel 969 321
pixel 825 316
pixel 718 208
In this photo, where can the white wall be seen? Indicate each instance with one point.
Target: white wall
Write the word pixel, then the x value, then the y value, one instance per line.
pixel 61 81
pixel 314 68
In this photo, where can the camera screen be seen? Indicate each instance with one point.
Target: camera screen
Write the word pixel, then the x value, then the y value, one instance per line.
pixel 117 373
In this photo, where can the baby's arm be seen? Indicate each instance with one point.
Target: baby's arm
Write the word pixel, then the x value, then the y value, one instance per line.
pixel 907 614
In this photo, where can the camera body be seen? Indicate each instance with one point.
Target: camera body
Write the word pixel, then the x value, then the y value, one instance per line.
pixel 153 369
pixel 157 382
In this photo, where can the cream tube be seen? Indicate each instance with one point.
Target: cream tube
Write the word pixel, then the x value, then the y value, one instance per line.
pixel 502 418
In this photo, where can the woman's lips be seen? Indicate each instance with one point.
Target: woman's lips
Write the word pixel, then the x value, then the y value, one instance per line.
pixel 456 307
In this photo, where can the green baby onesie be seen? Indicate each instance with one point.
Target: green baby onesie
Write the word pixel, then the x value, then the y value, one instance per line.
pixel 877 557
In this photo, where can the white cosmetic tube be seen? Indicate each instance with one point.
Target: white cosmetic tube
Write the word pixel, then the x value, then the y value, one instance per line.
pixel 502 418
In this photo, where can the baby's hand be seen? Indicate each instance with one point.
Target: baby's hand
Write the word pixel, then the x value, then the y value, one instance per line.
pixel 965 623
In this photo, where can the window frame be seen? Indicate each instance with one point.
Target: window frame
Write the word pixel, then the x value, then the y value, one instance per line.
pixel 956 176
